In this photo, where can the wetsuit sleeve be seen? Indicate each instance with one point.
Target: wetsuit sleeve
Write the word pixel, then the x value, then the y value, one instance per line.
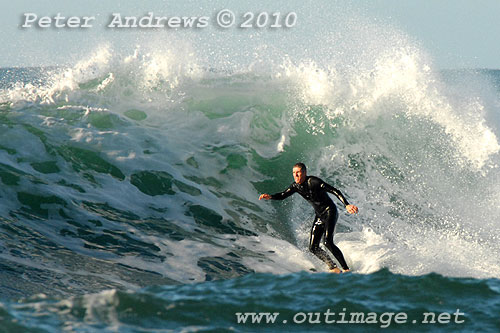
pixel 333 190
pixel 285 194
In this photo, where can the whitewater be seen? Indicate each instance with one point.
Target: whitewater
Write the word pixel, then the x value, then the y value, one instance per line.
pixel 139 168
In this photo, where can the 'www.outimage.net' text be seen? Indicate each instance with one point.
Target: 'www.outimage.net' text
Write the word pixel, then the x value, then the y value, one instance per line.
pixel 341 318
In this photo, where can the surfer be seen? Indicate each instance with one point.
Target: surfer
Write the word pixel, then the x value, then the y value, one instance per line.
pixel 315 190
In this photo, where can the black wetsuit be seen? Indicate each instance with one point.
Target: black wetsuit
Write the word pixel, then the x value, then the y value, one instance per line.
pixel 314 190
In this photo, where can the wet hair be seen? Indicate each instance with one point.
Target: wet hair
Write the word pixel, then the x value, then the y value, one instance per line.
pixel 300 165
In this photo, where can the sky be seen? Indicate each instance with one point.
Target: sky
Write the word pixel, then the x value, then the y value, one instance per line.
pixel 454 33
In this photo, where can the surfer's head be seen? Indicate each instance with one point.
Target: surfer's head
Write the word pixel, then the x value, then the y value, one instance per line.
pixel 299 173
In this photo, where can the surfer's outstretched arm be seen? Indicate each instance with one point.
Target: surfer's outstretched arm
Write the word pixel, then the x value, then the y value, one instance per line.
pixel 279 196
pixel 351 209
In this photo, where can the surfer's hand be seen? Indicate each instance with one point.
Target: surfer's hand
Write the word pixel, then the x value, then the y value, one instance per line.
pixel 351 209
pixel 265 196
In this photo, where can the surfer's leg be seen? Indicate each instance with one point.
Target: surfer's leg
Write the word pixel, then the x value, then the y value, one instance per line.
pixel 317 231
pixel 330 222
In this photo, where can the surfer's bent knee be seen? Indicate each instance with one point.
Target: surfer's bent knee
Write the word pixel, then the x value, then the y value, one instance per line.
pixel 313 248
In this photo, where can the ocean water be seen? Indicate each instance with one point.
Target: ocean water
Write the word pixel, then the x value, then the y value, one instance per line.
pixel 129 186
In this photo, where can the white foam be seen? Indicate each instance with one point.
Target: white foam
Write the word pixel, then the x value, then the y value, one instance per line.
pixel 281 257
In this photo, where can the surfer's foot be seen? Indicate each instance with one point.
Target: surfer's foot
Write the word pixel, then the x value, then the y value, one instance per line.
pixel 335 270
pixel 346 271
